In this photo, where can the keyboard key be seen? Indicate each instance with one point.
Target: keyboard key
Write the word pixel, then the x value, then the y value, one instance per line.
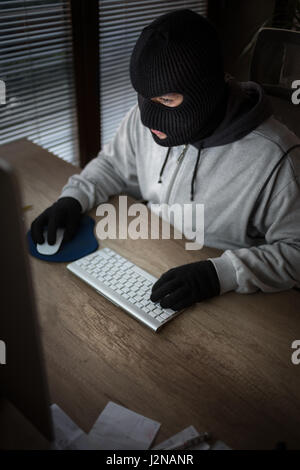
pixel 168 314
pixel 159 318
pixel 164 315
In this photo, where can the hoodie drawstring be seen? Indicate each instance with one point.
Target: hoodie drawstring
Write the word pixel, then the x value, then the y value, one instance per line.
pixel 164 164
pixel 194 172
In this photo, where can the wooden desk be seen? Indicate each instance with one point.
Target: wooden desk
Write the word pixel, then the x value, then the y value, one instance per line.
pixel 223 366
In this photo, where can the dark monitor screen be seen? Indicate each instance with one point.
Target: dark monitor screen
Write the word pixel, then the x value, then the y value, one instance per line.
pixel 22 377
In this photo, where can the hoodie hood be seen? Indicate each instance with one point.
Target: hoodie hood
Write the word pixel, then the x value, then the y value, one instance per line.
pixel 247 108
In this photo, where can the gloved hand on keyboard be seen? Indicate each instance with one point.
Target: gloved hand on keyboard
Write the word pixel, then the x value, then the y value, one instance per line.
pixel 64 213
pixel 184 285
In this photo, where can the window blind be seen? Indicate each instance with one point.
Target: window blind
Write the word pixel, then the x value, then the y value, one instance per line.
pixel 121 22
pixel 37 67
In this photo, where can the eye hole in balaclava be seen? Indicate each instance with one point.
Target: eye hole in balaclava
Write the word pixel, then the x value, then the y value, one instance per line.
pixel 170 100
pixel 180 53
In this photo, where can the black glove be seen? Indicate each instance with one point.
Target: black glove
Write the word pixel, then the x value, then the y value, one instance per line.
pixel 181 287
pixel 64 213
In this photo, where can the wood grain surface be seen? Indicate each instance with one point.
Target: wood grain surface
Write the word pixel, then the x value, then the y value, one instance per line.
pixel 223 365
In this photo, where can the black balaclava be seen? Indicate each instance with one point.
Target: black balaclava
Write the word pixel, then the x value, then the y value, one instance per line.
pixel 179 52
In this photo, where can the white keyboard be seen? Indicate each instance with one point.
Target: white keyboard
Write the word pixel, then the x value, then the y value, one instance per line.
pixel 124 284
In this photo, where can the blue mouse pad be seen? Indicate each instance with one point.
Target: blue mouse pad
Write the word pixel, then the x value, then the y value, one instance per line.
pixel 81 245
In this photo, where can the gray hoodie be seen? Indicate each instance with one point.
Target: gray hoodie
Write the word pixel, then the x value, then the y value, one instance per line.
pixel 247 177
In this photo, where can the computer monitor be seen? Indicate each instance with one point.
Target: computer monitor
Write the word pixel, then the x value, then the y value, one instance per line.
pixel 22 373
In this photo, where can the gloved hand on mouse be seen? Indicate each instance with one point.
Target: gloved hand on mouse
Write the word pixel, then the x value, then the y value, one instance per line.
pixel 64 213
pixel 185 285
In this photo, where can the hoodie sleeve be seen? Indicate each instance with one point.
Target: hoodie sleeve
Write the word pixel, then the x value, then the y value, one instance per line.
pixel 275 265
pixel 111 172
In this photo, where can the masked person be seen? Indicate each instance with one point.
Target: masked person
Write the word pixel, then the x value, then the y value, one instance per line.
pixel 239 161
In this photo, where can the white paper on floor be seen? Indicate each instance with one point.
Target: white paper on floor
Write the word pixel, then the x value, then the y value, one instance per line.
pixel 65 430
pixel 181 437
pixel 118 428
